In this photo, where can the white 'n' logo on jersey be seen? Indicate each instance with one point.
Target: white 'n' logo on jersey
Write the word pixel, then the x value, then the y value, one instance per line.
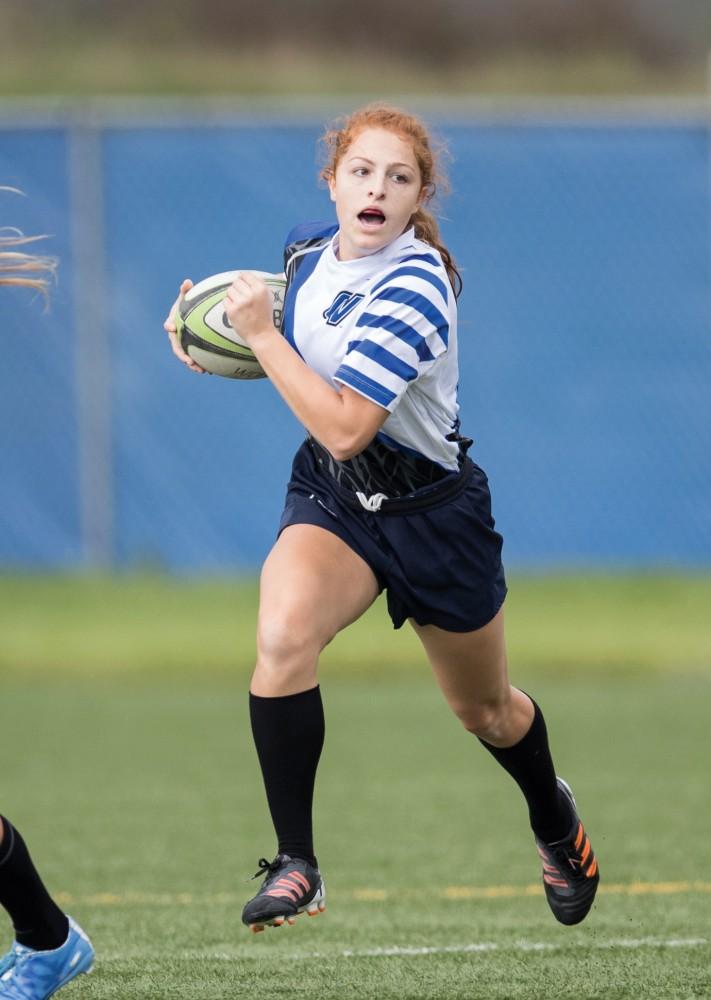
pixel 343 304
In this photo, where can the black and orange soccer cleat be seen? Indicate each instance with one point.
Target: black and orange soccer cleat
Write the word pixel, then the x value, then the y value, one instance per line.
pixel 570 872
pixel 291 886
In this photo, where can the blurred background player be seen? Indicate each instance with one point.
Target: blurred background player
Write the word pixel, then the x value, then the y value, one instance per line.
pixel 50 949
pixel 382 496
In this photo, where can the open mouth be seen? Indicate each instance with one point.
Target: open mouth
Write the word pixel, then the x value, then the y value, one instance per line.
pixel 372 218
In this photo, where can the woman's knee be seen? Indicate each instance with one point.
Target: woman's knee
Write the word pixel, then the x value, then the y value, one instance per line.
pixel 486 718
pixel 286 644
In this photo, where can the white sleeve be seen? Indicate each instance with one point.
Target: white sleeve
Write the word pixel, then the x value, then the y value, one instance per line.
pixel 404 327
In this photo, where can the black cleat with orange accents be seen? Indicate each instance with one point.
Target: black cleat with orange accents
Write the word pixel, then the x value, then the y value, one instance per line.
pixel 570 872
pixel 291 886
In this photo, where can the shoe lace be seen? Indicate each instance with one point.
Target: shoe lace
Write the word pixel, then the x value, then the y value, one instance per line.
pixel 568 859
pixel 15 959
pixel 266 867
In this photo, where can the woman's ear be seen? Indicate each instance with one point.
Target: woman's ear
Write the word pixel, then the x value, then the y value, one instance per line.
pixel 331 180
pixel 426 192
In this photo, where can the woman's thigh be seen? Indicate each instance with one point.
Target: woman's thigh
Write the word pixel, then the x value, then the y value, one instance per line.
pixel 472 672
pixel 469 666
pixel 312 586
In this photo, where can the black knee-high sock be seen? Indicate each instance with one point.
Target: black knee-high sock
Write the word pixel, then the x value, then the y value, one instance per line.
pixel 288 734
pixel 530 764
pixel 38 921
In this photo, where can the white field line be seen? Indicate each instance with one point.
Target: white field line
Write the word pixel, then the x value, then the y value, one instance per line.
pixel 377 895
pixel 630 943
pixel 404 951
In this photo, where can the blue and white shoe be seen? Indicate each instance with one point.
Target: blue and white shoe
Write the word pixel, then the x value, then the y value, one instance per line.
pixel 26 974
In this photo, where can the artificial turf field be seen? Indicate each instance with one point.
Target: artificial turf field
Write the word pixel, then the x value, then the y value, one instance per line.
pixel 136 786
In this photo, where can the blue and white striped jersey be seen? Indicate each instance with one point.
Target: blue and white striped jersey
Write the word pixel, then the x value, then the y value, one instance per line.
pixel 386 326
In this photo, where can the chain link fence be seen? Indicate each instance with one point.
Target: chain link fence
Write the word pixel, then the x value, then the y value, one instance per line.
pixel 584 237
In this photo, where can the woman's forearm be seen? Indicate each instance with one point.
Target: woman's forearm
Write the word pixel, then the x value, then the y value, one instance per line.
pixel 343 422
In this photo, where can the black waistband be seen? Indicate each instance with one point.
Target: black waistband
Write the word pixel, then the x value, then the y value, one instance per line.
pixel 428 496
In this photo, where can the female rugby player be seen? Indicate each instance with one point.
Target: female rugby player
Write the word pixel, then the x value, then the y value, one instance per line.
pixel 382 497
pixel 49 949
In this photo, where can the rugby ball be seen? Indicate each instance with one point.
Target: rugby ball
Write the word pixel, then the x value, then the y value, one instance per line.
pixel 204 331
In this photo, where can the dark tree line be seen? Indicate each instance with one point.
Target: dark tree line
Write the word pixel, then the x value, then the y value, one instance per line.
pixel 653 30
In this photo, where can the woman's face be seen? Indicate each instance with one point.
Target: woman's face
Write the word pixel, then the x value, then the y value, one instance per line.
pixel 377 187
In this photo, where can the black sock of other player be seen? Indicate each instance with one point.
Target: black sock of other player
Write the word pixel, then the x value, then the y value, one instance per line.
pixel 530 764
pixel 38 921
pixel 288 734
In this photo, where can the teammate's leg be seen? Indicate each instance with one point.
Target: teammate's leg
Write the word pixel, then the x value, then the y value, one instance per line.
pixel 312 586
pixel 471 669
pixel 38 921
pixel 50 949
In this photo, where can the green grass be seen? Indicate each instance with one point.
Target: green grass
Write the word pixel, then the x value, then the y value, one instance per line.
pixel 130 770
pixel 142 804
pixel 99 626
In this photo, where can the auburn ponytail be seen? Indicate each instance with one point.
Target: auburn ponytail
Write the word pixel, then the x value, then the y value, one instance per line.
pixel 427 230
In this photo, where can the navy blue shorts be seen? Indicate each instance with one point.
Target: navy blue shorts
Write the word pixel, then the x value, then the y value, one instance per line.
pixel 440 563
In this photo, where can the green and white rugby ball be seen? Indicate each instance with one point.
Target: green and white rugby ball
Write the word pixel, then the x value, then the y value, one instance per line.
pixel 204 331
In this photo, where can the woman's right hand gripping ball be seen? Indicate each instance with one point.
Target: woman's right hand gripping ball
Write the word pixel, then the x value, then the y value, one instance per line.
pixel 170 328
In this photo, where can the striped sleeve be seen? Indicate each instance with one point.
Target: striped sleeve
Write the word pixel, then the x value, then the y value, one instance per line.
pixel 402 328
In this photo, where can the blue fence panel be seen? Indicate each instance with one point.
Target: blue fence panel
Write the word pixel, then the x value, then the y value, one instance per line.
pixel 39 491
pixel 585 321
pixel 201 462
pixel 585 337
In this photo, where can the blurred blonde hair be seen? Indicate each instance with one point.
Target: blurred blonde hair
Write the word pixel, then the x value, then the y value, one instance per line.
pixel 20 268
pixel 337 139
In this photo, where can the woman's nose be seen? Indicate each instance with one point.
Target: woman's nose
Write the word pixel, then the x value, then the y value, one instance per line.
pixel 377 187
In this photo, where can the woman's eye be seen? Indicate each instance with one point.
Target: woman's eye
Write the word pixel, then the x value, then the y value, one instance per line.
pixel 401 178
pixel 360 171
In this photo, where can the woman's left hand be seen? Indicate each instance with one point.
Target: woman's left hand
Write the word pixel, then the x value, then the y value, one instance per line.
pixel 249 308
